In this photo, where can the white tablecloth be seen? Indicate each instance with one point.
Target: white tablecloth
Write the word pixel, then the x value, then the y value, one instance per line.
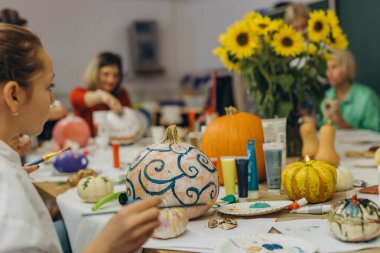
pixel 318 231
pixel 83 228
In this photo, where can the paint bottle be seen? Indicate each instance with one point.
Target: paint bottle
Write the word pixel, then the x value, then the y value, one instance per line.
pixel 273 164
pixel 253 177
pixel 229 173
pixel 115 153
pixel 242 177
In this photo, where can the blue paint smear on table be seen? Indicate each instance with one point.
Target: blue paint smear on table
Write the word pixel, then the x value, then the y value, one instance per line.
pixel 259 205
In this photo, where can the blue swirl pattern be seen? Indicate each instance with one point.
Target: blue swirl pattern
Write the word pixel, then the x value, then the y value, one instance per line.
pixel 180 172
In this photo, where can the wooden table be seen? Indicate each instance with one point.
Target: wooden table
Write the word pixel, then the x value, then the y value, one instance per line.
pixel 50 191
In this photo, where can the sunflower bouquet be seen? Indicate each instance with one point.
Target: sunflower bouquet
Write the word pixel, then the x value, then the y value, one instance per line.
pixel 282 69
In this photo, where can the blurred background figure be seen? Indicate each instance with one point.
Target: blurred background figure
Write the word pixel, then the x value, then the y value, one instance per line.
pixel 103 79
pixel 296 15
pixel 349 104
pixel 11 16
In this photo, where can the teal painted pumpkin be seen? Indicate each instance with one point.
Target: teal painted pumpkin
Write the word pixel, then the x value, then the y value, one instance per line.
pixel 179 172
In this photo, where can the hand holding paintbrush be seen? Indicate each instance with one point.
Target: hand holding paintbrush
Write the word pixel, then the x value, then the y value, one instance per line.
pixel 46 157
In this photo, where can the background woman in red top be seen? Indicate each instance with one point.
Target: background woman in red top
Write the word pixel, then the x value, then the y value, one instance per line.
pixel 103 78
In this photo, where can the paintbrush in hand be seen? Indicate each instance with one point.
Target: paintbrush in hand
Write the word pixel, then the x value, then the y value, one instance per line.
pixel 46 157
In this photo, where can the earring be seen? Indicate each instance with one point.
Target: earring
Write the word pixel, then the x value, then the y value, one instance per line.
pixel 15 114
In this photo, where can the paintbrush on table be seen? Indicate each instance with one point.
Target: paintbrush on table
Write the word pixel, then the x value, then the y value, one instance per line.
pixel 46 157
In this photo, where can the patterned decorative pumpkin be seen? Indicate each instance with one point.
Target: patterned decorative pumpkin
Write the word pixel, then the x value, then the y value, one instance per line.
pixel 355 219
pixel 173 222
pixel 71 128
pixel 314 180
pixel 127 128
pixel 91 189
pixel 179 172
pixel 228 136
pixel 70 161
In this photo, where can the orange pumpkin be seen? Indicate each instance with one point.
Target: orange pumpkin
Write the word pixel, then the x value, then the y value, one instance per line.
pixel 228 136
pixel 178 172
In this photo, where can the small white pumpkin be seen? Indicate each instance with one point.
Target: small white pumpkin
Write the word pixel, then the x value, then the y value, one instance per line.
pixel 91 189
pixel 173 223
pixel 345 179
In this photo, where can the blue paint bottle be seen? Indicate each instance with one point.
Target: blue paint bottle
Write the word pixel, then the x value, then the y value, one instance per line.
pixel 253 177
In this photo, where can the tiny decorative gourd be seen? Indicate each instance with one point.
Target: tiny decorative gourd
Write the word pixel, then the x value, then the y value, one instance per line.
pixel 173 222
pixel 345 179
pixel 313 180
pixel 326 151
pixel 179 172
pixel 91 189
pixel 70 162
pixel 355 219
pixel 308 132
pixel 73 180
pixel 228 136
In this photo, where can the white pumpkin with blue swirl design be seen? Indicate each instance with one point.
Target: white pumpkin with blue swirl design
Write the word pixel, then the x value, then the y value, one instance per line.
pixel 179 172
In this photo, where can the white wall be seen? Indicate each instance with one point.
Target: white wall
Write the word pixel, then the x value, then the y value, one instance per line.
pixel 74 31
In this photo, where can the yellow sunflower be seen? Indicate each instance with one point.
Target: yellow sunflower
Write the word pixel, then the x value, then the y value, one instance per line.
pixel 222 39
pixel 333 19
pixel 241 41
pixel 338 39
pixel 250 16
pixel 260 25
pixel 318 26
pixel 229 61
pixel 273 27
pixel 287 42
pixel 275 24
pixel 311 49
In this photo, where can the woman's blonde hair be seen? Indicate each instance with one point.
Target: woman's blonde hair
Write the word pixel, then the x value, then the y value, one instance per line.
pixel 19 60
pixel 294 11
pixel 347 59
pixel 91 75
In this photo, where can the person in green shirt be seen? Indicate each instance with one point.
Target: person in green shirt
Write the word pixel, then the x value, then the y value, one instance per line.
pixel 348 104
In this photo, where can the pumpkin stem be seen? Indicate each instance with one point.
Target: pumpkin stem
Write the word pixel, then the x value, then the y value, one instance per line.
pixel 171 135
pixel 355 199
pixel 230 110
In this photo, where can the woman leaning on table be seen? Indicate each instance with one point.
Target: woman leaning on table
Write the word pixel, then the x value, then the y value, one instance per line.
pixel 349 104
pixel 26 76
pixel 103 78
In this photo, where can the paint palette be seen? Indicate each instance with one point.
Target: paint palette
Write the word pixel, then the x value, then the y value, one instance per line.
pixel 254 208
pixel 261 243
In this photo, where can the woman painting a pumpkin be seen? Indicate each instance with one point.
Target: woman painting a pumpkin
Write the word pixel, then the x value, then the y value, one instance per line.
pixel 103 78
pixel 349 104
pixel 26 76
